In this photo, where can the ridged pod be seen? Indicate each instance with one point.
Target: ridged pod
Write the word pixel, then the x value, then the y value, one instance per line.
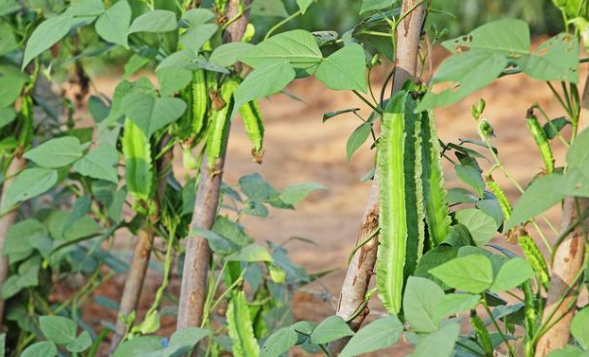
pixel 530 319
pixel 501 197
pixel 220 123
pixel 239 323
pixel 401 202
pixel 436 203
pixel 541 140
pixel 138 162
pixel 482 334
pixel 254 127
pixel 193 123
pixel 536 259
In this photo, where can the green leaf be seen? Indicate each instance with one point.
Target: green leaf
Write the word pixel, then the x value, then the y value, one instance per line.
pixel 439 343
pixel 114 24
pixel 56 153
pixel 578 155
pixel 461 195
pixel 580 328
pixel 304 5
pixel 539 196
pixel 20 239
pixel 172 80
pixel 472 177
pixel 251 253
pixel 262 82
pixel 182 341
pixel 12 81
pixel 7 41
pixel 81 343
pixel 472 273
pixel 554 126
pixel 79 210
pixel 419 301
pixel 257 188
pixel 331 329
pixel 218 243
pixel 372 5
pixel 101 164
pixel 297 47
pixel 377 335
pixel 239 324
pixel 512 274
pixel 196 17
pixel 139 347
pixel 279 342
pixel 228 53
pixel 554 60
pixel 58 329
pixel 452 304
pixel 357 139
pixel 40 349
pixel 294 194
pixel 46 35
pixel 481 226
pixel 151 114
pixel 28 184
pixel 196 37
pixel 433 258
pixel 345 69
pixel 7 116
pixel 269 8
pixel 154 21
pixel 568 351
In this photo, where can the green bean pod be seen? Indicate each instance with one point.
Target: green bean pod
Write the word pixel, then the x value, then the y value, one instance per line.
pixel 483 334
pixel 541 141
pixel 501 197
pixel 220 123
pixel 254 127
pixel 200 104
pixel 530 319
pixel 139 169
pixel 536 259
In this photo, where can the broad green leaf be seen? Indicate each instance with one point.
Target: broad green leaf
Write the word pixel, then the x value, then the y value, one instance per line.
pixel 452 304
pixel 56 153
pixel 491 207
pixel 138 163
pixel 40 349
pixel 251 253
pixel 439 343
pixel 28 184
pixel 461 195
pixel 262 82
pixel 97 109
pixel 100 163
pixel 508 37
pixel 279 342
pixel 12 81
pixel 114 24
pixel 58 329
pixel 182 341
pixel 239 324
pixel 269 8
pixel 232 231
pixel 472 177
pixel 480 225
pixel 227 54
pixel 196 17
pixel 580 327
pixel 257 188
pixel 377 335
pixel 304 5
pixel 196 37
pixel 86 8
pixel 568 351
pixel 295 193
pixel 331 329
pixel 172 80
pixel 471 273
pixel 7 116
pixel 20 239
pixel 554 60
pixel 297 47
pixel 154 21
pixel 139 347
pixel 79 210
pixel 512 274
pixel 539 196
pixel 578 155
pixel 435 196
pixel 419 301
pixel 345 69
pixel 46 35
pixel 7 41
pixel 554 126
pixel 218 244
pixel 372 5
pixel 151 114
pixel 357 139
pixel 433 258
pixel 81 343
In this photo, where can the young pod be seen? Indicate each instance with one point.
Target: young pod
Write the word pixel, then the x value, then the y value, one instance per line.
pixel 482 334
pixel 200 104
pixel 138 162
pixel 541 140
pixel 536 259
pixel 501 197
pixel 254 127
pixel 220 123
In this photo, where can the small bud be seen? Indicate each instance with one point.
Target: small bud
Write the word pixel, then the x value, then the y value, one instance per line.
pixel 485 129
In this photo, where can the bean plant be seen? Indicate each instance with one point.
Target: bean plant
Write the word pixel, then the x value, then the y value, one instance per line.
pixel 445 259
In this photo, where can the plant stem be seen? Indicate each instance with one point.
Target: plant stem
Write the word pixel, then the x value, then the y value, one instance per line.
pixel 282 23
pixel 505 341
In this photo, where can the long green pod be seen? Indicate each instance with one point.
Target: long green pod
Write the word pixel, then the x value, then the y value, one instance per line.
pixel 220 123
pixel 239 324
pixel 401 204
pixel 435 195
pixel 530 319
pixel 253 123
pixel 482 332
pixel 541 140
pixel 200 104
pixel 139 168
pixel 501 197
pixel 536 259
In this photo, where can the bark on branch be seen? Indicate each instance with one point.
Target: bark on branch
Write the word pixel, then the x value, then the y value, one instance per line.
pixel 361 267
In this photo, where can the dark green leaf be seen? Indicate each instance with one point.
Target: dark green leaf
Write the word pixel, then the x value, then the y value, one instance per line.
pixel 113 25
pixel 154 21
